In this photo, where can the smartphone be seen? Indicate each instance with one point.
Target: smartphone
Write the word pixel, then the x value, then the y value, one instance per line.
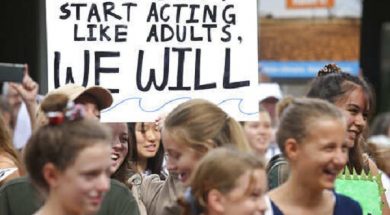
pixel 10 72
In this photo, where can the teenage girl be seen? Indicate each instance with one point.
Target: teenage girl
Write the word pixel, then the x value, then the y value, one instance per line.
pixel 312 135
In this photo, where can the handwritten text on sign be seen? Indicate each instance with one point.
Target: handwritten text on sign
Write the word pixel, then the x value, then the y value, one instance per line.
pixel 153 55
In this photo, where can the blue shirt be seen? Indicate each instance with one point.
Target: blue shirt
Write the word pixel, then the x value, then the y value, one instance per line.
pixel 344 206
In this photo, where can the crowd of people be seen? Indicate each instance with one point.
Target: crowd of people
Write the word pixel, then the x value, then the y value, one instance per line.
pixel 195 160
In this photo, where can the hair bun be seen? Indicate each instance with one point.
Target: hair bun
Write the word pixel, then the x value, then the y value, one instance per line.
pixel 54 102
pixel 58 108
pixel 329 69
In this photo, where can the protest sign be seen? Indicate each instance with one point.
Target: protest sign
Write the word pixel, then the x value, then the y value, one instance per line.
pixel 363 188
pixel 153 55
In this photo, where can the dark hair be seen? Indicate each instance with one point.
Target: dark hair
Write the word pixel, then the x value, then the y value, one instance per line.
pixel 380 125
pixel 61 143
pixel 297 116
pixel 124 171
pixel 332 84
pixel 154 164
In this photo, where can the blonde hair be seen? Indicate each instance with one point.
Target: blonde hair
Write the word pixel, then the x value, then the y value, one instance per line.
pixel 197 122
pixel 297 115
pixel 379 149
pixel 220 169
pixel 6 147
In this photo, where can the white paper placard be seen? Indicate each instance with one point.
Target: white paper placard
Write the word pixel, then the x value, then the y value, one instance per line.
pixel 154 55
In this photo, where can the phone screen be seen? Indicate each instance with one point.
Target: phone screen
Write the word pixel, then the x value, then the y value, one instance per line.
pixel 11 72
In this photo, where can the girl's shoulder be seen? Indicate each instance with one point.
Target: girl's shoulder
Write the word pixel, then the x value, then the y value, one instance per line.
pixel 274 197
pixel 6 160
pixel 346 206
pixel 370 165
pixel 275 209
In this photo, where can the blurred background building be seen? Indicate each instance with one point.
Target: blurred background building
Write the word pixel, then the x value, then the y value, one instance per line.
pixel 297 37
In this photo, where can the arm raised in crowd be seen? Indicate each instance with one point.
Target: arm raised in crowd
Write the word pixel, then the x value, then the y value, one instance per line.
pixel 28 90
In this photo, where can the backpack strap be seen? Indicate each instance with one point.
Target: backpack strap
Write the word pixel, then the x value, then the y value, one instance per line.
pixel 277 171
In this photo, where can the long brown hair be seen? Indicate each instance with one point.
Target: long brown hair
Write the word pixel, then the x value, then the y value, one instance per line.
pixel 124 171
pixel 333 85
pixel 154 164
pixel 6 147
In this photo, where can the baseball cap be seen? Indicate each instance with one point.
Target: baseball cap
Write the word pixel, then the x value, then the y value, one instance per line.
pixel 102 96
pixel 269 90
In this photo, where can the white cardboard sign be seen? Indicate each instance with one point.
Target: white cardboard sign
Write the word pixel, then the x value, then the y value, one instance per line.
pixel 155 54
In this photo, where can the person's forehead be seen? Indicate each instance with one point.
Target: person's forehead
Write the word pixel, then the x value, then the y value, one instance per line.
pixel 145 125
pixel 264 116
pixel 118 127
pixel 355 97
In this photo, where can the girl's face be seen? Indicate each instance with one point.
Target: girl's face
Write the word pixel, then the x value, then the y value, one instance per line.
pixel 259 133
pixel 355 108
pixel 322 154
pixel 240 200
pixel 148 139
pixel 119 144
pixel 82 185
pixel 182 159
